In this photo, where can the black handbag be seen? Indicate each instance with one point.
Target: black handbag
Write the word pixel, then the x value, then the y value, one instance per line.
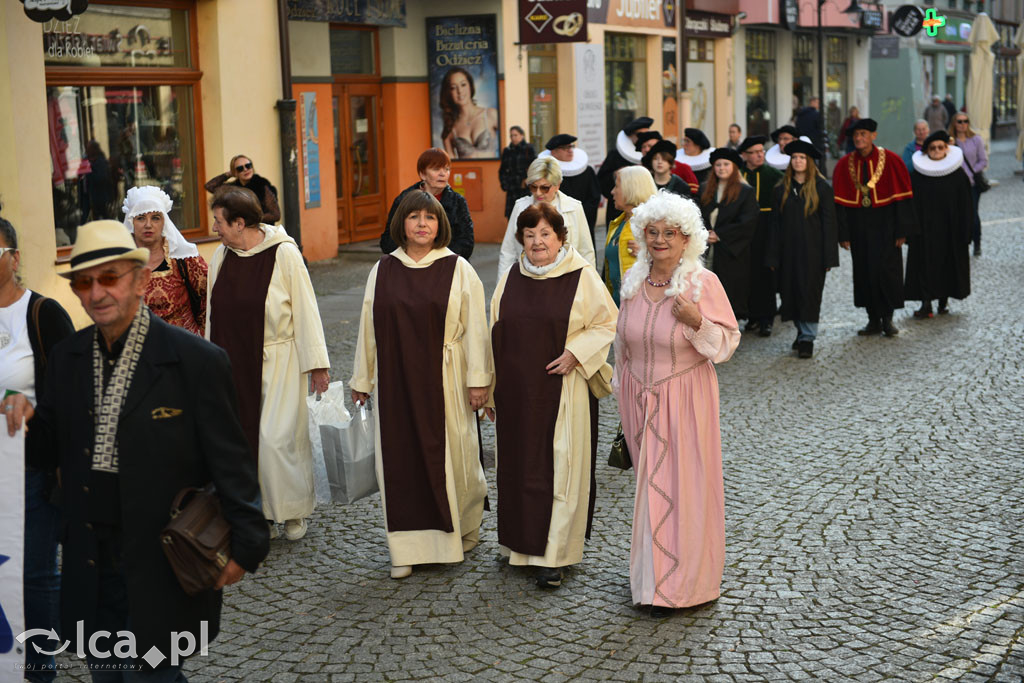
pixel 618 456
pixel 980 181
pixel 197 539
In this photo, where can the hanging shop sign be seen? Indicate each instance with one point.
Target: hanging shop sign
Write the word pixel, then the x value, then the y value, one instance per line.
pixel 552 21
pixel 371 12
pixel 648 13
pixel 885 47
pixel 707 25
pixel 870 18
pixel 789 13
pixel 41 11
pixel 907 21
pixel 462 62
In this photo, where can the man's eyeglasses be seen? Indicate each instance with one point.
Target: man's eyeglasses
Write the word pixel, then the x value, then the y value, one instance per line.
pixel 84 283
pixel 243 167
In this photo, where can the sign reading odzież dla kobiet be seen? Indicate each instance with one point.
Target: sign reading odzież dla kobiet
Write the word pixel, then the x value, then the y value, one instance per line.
pixel 552 21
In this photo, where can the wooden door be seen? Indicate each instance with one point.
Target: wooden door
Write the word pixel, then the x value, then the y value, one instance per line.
pixel 358 159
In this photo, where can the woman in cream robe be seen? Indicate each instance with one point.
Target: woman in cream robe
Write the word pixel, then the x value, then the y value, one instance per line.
pixel 530 309
pixel 293 345
pixel 465 363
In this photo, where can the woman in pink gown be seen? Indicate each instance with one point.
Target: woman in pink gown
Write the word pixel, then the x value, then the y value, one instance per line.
pixel 675 322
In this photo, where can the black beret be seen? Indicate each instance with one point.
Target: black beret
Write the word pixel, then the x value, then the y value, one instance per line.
pixel 784 129
pixel 798 146
pixel 666 146
pixel 560 140
pixel 726 153
pixel 636 124
pixel 937 135
pixel 751 141
pixel 697 137
pixel 869 125
pixel 641 138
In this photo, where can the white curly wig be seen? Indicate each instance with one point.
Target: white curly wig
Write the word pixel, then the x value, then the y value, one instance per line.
pixel 149 199
pixel 676 212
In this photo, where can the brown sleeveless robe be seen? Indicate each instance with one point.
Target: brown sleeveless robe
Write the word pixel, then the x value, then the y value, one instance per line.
pixel 409 309
pixel 530 333
pixel 237 308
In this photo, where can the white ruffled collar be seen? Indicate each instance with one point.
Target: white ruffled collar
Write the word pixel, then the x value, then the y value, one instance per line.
pixel 627 148
pixel 570 168
pixel 776 159
pixel 924 165
pixel 697 163
pixel 543 270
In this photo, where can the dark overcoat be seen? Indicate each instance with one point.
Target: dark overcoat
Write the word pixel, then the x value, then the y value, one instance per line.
pixel 801 249
pixel 938 264
pixel 584 188
pixel 763 283
pixel 178 428
pixel 455 207
pixel 735 226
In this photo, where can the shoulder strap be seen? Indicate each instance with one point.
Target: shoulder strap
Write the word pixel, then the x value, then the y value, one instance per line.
pixel 35 324
pixel 193 296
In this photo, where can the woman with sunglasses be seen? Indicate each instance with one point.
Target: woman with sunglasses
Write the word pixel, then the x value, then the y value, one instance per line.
pixel 543 180
pixel 241 172
pixel 30 326
pixel 975 161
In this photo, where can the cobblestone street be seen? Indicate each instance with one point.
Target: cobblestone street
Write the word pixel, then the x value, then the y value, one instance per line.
pixel 873 502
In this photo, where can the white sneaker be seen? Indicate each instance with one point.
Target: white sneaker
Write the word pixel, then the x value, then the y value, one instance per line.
pixel 294 529
pixel 274 532
pixel 401 571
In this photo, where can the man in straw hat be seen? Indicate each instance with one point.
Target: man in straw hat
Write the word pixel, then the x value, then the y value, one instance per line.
pixel 133 411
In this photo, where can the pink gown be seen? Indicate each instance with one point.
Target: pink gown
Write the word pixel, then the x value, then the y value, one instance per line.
pixel 668 399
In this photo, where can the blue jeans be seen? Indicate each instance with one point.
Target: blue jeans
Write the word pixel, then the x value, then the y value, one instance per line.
pixel 41 579
pixel 806 331
pixel 112 616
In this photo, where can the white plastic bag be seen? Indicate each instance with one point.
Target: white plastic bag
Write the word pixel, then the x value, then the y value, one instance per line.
pixel 349 456
pixel 328 409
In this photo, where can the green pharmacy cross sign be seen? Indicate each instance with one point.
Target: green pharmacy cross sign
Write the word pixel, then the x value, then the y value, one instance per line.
pixel 932 22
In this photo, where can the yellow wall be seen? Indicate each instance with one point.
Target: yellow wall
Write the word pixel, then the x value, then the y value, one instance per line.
pixel 724 94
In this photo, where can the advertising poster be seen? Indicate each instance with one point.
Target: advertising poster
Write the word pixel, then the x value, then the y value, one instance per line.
pixel 669 85
pixel 310 151
pixel 462 58
pixel 590 118
pixel 12 525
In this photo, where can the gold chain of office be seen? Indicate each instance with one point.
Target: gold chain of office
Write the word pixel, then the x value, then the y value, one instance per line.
pixel 875 177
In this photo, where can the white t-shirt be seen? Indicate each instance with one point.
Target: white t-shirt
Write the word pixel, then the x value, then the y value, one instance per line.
pixel 17 364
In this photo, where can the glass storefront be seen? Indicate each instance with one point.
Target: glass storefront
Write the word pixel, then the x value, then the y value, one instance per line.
pixel 803 70
pixel 543 85
pixel 625 81
pixel 760 50
pixel 109 133
pixel 836 80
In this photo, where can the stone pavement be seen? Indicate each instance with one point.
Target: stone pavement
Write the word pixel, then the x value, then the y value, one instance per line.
pixel 873 515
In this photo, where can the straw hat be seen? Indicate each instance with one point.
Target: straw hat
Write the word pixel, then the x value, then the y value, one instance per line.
pixel 101 242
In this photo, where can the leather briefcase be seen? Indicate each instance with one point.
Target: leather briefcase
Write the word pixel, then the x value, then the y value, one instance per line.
pixel 197 540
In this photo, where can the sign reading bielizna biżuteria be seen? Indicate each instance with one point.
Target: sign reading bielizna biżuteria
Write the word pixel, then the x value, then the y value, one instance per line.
pixel 552 21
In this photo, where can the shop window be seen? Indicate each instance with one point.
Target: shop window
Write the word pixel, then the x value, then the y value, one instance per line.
pixel 1005 90
pixel 803 69
pixel 543 87
pixel 625 81
pixel 122 91
pixel 760 49
pixel 836 85
pixel 353 52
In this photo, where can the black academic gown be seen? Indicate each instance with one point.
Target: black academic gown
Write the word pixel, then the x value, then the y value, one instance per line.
pixel 877 261
pixel 735 226
pixel 584 188
pixel 801 248
pixel 938 265
pixel 762 302
pixel 606 181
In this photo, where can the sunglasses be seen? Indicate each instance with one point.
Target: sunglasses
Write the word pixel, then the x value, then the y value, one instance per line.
pixel 539 188
pixel 963 121
pixel 243 167
pixel 84 283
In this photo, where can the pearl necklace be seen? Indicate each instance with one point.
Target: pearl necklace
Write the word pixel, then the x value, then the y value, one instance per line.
pixel 652 283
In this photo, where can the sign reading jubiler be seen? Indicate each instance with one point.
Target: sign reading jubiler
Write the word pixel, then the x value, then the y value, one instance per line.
pixel 462 63
pixel 552 21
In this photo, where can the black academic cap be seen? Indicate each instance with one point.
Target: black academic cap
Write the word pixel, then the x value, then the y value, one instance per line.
pixel 784 129
pixel 636 124
pixel 751 141
pixel 937 135
pixel 641 138
pixel 798 146
pixel 869 125
pixel 560 140
pixel 726 153
pixel 661 146
pixel 697 137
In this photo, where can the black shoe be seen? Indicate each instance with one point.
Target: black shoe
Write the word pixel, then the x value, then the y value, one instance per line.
pixel 659 612
pixel 751 326
pixel 943 306
pixel 925 311
pixel 873 327
pixel 765 331
pixel 805 349
pixel 888 328
pixel 977 248
pixel 549 577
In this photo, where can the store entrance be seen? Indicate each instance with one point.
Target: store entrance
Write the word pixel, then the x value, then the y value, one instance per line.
pixel 357 158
